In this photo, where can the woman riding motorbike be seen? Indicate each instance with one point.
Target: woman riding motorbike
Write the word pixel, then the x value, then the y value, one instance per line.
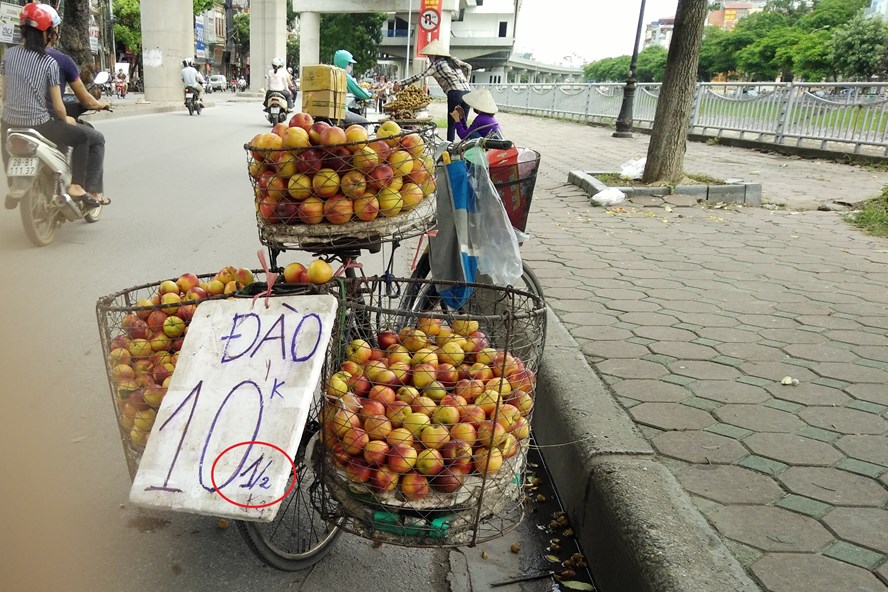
pixel 279 81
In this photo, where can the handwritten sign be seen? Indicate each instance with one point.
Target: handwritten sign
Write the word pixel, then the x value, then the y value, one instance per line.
pixel 233 416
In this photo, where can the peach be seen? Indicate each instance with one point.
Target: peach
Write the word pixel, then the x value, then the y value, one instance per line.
pixel 389 131
pixel 446 415
pixel 400 436
pixel 424 375
pixel 376 452
pixel 434 436
pixel 397 412
pixel 464 432
pixel 390 202
pixel 366 208
pixel 332 135
pixel 456 452
pixel 414 486
pixel 356 136
pixel 401 458
pixel 384 479
pixel 365 159
pixel 411 195
pixel 423 405
pixel 488 460
pixel 354 439
pixel 416 422
pixel 357 470
pixel 338 209
pixel 448 480
pixel 429 462
pixel 311 211
pixel 490 434
pixel 353 184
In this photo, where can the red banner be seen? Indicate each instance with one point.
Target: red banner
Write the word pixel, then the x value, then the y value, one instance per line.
pixel 429 24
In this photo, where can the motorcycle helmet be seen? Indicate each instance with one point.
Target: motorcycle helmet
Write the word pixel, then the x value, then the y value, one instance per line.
pixel 188 61
pixel 39 17
pixel 277 62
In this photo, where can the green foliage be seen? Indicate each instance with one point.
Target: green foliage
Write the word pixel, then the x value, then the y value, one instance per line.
pixel 128 23
pixel 360 34
pixel 293 53
pixel 858 48
pixel 201 6
pixel 714 59
pixel 651 64
pixel 241 32
pixel 872 218
pixel 608 69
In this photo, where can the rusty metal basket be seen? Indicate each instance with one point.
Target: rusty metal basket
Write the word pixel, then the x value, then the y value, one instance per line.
pixel 372 190
pixel 427 417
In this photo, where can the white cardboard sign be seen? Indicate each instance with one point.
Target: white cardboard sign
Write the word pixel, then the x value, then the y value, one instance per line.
pixel 240 395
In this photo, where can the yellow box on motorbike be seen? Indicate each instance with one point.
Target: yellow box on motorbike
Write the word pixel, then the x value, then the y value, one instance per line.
pixel 324 103
pixel 323 77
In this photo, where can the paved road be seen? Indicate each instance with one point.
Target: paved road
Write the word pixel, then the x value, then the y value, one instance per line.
pixel 694 316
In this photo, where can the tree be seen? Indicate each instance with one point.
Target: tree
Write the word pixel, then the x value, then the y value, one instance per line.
pixel 75 41
pixel 771 55
pixel 128 24
pixel 651 64
pixel 241 32
pixel 858 48
pixel 665 157
pixel 713 60
pixel 813 57
pixel 608 69
pixel 360 34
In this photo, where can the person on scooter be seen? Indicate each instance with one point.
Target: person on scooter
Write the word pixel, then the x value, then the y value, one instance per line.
pixel 69 75
pixel 279 81
pixel 32 96
pixel 192 79
pixel 345 60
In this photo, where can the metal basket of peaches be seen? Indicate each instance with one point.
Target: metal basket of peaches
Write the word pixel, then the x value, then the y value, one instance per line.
pixel 426 420
pixel 316 183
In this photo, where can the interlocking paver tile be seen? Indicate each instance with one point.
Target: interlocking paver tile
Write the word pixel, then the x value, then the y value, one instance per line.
pixel 728 391
pixel 858 337
pixel 874 393
pixel 768 321
pixel 804 505
pixel 771 529
pixel 660 359
pixel 683 350
pixel 632 368
pixel 671 416
pixel 854 555
pixel 728 430
pixel 872 449
pixel 828 322
pixel 700 403
pixel 648 318
pixel 698 446
pixel 619 306
pixel 818 434
pixel 613 349
pixel 830 382
pixel 792 336
pixel 652 391
pixel 872 352
pixel 861 467
pixel 728 335
pixel 665 333
pixel 600 332
pixel 833 486
pixel 758 418
pixel 777 370
pixel 851 372
pixel 729 484
pixel 763 465
pixel 844 420
pixel 704 370
pixel 807 572
pixel 793 449
pixel 868 407
pixel 784 405
pixel 750 352
pixel 807 393
pixel 819 353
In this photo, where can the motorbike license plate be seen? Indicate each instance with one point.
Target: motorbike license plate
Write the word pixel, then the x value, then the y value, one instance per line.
pixel 22 167
pixel 275 110
pixel 188 95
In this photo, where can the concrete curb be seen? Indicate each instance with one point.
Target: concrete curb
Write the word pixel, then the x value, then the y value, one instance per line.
pixel 638 527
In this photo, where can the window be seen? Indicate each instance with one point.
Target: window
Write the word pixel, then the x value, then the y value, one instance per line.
pixel 503 26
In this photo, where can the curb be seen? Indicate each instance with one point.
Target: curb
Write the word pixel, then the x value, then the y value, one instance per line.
pixel 638 527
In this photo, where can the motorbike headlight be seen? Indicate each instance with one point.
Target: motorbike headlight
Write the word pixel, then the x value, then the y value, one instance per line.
pixel 21 146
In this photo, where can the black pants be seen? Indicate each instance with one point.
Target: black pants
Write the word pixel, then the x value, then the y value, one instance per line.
pixel 454 98
pixel 63 135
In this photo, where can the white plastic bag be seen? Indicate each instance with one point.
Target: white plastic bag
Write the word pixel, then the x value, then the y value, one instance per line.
pixel 492 236
pixel 609 196
pixel 633 169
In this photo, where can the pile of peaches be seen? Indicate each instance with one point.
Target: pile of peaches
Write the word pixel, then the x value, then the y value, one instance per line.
pixel 420 411
pixel 311 172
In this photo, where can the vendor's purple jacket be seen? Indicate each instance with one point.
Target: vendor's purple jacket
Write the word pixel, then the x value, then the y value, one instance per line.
pixel 483 125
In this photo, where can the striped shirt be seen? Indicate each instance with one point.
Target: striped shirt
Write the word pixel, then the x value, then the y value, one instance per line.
pixel 451 73
pixel 28 77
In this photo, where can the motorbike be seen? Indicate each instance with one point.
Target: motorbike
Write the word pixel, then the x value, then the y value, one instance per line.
pixel 100 85
pixel 355 106
pixel 39 173
pixel 120 88
pixel 276 108
pixel 192 103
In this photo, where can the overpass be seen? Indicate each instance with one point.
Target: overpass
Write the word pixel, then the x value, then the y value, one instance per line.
pixel 518 70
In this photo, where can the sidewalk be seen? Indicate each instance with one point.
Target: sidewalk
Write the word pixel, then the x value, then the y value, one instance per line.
pixel 693 317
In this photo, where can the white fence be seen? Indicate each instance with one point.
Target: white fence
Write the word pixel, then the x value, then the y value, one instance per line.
pixel 826 116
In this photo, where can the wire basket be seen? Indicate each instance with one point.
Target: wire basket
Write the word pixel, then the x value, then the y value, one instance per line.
pixel 371 189
pixel 427 416
pixel 514 174
pixel 141 330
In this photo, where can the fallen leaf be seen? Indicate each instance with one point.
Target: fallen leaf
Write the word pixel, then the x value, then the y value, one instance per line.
pixel 552 559
pixel 667 208
pixel 515 547
pixel 483 554
pixel 575 585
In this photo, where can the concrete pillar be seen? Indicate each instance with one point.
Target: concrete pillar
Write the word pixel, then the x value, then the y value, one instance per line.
pixel 268 38
pixel 167 39
pixel 309 39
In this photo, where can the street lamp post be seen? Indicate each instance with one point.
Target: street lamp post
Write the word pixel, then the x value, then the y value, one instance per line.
pixel 624 119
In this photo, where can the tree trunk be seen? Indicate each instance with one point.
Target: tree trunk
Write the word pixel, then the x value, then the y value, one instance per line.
pixel 665 157
pixel 75 32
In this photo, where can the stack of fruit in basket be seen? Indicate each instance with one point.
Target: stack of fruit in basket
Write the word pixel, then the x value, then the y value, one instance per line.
pixel 407 103
pixel 144 353
pixel 309 172
pixel 417 413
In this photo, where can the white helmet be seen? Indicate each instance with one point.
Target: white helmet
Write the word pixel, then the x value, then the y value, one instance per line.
pixel 277 62
pixel 189 61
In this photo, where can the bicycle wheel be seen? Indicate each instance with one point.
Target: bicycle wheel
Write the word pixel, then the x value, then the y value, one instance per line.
pixel 298 537
pixel 421 297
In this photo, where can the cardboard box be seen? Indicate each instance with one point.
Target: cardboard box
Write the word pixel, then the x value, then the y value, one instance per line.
pixel 315 78
pixel 324 103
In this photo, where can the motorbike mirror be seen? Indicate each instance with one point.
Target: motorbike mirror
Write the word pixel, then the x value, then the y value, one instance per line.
pixel 101 78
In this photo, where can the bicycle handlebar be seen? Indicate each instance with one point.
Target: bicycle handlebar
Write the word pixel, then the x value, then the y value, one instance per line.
pixel 487 143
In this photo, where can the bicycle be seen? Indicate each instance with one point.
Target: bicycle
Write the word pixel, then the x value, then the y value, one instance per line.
pixel 516 191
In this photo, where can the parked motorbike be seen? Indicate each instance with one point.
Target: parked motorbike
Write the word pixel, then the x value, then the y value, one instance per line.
pixel 276 107
pixel 192 103
pixel 39 174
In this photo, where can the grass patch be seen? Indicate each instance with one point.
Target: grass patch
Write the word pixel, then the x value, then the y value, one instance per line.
pixel 872 218
pixel 617 180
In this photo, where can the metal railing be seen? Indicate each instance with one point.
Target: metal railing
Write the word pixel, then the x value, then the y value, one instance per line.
pixel 837 116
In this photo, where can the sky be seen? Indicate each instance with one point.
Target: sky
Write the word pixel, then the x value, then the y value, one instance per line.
pixel 592 29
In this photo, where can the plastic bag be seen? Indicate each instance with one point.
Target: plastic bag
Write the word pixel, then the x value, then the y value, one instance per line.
pixel 492 236
pixel 609 196
pixel 633 169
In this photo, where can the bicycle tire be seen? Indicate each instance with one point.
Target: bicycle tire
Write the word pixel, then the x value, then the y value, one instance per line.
pixel 421 297
pixel 306 538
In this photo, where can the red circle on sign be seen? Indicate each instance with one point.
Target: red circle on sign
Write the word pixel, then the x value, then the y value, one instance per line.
pixel 250 443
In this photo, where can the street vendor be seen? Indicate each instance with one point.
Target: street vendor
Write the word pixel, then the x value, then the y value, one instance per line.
pixel 345 60
pixel 452 75
pixel 485 124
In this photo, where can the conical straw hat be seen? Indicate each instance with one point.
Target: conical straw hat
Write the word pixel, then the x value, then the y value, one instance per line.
pixel 435 48
pixel 481 100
